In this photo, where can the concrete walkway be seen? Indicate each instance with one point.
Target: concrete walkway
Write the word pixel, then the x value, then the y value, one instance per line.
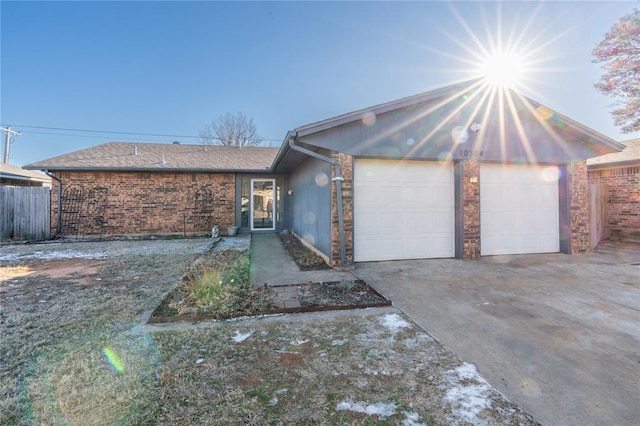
pixel 272 266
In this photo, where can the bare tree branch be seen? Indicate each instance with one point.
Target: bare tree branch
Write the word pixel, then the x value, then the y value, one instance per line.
pixel 231 130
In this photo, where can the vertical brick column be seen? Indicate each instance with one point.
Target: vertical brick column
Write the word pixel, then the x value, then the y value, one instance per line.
pixel 470 209
pixel 346 168
pixel 579 207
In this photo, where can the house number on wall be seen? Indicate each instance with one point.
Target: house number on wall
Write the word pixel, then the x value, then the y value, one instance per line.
pixel 469 153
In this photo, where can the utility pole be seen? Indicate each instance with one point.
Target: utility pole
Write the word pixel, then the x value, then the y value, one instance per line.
pixel 7 138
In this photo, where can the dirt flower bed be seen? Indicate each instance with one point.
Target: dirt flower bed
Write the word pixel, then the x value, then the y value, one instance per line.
pixel 344 293
pixel 227 292
pixel 306 259
pixel 75 350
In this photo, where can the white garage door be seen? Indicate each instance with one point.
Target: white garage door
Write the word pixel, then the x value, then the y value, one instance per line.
pixel 518 209
pixel 403 210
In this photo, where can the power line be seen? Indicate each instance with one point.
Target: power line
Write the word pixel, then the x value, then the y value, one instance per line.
pixel 112 132
pixel 105 131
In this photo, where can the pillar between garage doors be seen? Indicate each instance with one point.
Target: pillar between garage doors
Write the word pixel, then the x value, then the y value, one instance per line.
pixel 467 209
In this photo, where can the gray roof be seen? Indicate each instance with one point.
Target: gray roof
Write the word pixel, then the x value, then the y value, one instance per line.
pixel 7 171
pixel 628 156
pixel 131 156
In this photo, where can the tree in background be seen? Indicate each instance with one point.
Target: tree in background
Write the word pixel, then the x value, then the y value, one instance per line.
pixel 231 130
pixel 620 54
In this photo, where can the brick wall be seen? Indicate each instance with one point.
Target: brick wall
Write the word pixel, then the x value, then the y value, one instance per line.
pixel 579 207
pixel 470 210
pixel 106 203
pixel 346 168
pixel 624 200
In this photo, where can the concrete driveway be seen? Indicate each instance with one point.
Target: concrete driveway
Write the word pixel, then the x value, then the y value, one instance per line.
pixel 559 335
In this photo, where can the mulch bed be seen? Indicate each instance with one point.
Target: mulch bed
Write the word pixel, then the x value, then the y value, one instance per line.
pixel 306 259
pixel 344 293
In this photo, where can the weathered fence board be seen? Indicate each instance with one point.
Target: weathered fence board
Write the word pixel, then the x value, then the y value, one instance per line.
pixel 598 213
pixel 25 212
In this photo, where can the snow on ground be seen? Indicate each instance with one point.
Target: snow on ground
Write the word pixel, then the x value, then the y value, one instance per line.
pixel 469 395
pixel 52 255
pixel 380 409
pixel 239 242
pixel 393 322
pixel 241 337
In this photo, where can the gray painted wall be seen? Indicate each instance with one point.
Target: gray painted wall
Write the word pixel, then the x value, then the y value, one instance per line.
pixel 428 131
pixel 311 203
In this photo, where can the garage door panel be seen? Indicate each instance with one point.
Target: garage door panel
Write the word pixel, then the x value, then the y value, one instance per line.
pixel 417 210
pixel 519 210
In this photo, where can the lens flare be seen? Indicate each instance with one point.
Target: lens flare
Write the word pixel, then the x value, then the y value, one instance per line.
pixel 114 360
pixel 550 174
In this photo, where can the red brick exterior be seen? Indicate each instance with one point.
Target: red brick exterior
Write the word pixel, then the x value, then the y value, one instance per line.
pixel 470 210
pixel 346 169
pixel 624 200
pixel 116 203
pixel 579 207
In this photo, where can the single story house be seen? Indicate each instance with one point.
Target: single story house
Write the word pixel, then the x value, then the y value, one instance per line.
pixel 16 176
pixel 463 171
pixel 620 172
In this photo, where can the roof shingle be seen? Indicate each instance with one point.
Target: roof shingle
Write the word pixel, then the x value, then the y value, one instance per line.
pixel 629 155
pixel 129 156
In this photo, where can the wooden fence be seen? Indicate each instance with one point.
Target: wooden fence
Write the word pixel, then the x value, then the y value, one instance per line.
pixel 598 213
pixel 25 212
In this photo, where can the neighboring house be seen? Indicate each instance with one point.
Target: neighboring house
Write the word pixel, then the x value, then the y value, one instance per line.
pixel 620 172
pixel 16 176
pixel 461 171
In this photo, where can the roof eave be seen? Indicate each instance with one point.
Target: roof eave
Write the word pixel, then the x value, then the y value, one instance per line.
pixel 146 169
pixel 382 108
pixel 614 164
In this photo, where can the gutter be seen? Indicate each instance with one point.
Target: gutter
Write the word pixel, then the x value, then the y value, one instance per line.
pixel 338 179
pixel 58 219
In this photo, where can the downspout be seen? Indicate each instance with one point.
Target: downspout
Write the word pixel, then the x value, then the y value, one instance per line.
pixel 338 179
pixel 58 221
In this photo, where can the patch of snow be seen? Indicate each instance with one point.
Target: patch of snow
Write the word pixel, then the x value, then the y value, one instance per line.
pixel 199 360
pixel 241 337
pixel 299 342
pixel 380 409
pixel 273 401
pixel 239 242
pixel 53 255
pixel 412 343
pixel 339 342
pixel 467 400
pixel 412 419
pixel 393 322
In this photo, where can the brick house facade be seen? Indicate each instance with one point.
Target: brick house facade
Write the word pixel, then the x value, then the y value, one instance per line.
pixel 419 178
pixel 620 172
pixel 116 203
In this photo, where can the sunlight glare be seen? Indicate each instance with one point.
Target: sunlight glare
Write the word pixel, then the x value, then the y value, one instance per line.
pixel 503 69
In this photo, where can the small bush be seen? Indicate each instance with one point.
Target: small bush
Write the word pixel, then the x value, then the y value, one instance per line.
pixel 237 274
pixel 223 291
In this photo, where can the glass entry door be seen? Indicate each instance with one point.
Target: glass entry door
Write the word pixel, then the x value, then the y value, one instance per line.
pixel 263 206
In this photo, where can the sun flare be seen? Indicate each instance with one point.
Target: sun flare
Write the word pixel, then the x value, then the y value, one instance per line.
pixel 505 69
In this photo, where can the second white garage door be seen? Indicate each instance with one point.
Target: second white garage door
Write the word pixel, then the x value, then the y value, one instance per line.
pixel 518 209
pixel 403 210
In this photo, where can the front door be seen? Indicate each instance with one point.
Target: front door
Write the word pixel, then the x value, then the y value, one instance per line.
pixel 263 204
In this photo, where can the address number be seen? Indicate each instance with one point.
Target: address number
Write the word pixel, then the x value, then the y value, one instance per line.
pixel 469 153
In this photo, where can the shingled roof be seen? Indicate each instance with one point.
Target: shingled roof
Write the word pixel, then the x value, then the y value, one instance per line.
pixel 627 157
pixel 130 156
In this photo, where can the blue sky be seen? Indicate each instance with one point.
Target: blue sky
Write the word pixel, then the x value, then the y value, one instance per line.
pixel 172 67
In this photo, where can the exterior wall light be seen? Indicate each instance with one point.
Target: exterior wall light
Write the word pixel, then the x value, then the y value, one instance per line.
pixel 473 179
